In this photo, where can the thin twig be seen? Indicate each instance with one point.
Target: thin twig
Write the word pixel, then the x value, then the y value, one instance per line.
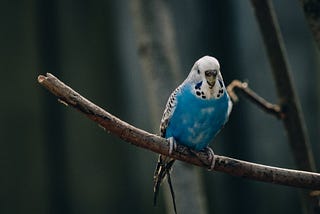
pixel 160 145
pixel 253 97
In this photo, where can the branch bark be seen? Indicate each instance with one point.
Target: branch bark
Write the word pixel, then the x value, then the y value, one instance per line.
pixel 143 139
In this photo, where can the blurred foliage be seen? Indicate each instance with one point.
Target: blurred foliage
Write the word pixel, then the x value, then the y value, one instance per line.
pixel 54 160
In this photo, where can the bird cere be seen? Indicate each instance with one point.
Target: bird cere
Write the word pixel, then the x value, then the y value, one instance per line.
pixel 195 113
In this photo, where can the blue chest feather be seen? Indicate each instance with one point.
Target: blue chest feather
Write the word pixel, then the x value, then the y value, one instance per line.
pixel 195 121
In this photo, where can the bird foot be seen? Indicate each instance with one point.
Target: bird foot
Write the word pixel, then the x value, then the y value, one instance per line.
pixel 210 153
pixel 172 145
pixel 212 157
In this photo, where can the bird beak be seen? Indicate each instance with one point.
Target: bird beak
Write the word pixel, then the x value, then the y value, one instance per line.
pixel 211 76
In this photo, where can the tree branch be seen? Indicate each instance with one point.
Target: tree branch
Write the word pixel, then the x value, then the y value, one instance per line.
pixel 152 142
pixel 243 87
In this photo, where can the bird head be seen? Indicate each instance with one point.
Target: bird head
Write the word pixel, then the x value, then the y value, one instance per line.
pixel 207 70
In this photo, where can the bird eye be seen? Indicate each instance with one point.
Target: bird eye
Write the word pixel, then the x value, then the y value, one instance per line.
pixel 198 71
pixel 211 73
pixel 208 73
pixel 215 72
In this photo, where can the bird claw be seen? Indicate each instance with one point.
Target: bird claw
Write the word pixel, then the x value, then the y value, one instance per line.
pixel 211 155
pixel 213 159
pixel 172 145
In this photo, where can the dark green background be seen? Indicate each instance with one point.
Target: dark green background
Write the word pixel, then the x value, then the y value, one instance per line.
pixel 54 160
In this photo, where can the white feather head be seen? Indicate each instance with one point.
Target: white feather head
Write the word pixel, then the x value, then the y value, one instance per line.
pixel 206 74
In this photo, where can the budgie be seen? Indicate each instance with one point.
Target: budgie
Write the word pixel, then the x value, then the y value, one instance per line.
pixel 195 112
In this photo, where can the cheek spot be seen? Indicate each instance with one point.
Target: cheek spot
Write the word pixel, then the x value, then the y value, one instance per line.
pixel 198 85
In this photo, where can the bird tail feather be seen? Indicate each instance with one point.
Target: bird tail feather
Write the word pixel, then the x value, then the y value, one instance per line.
pixel 162 171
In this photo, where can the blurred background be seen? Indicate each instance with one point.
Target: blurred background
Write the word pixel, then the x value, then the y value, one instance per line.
pixel 128 56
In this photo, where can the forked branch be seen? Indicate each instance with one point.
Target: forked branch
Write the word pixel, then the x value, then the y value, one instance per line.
pixel 253 97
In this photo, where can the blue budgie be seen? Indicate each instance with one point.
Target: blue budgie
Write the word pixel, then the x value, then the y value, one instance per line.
pixel 195 113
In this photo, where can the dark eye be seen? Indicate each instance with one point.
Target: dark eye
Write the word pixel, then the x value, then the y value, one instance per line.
pixel 210 73
pixel 198 71
pixel 215 72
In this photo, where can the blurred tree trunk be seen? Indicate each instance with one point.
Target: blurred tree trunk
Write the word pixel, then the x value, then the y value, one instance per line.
pixel 22 181
pixel 311 9
pixel 293 121
pixel 49 52
pixel 99 181
pixel 161 69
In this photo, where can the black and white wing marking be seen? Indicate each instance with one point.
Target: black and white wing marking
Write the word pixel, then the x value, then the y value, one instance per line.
pixel 169 110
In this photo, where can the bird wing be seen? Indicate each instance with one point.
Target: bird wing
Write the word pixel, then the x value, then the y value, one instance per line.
pixel 169 110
